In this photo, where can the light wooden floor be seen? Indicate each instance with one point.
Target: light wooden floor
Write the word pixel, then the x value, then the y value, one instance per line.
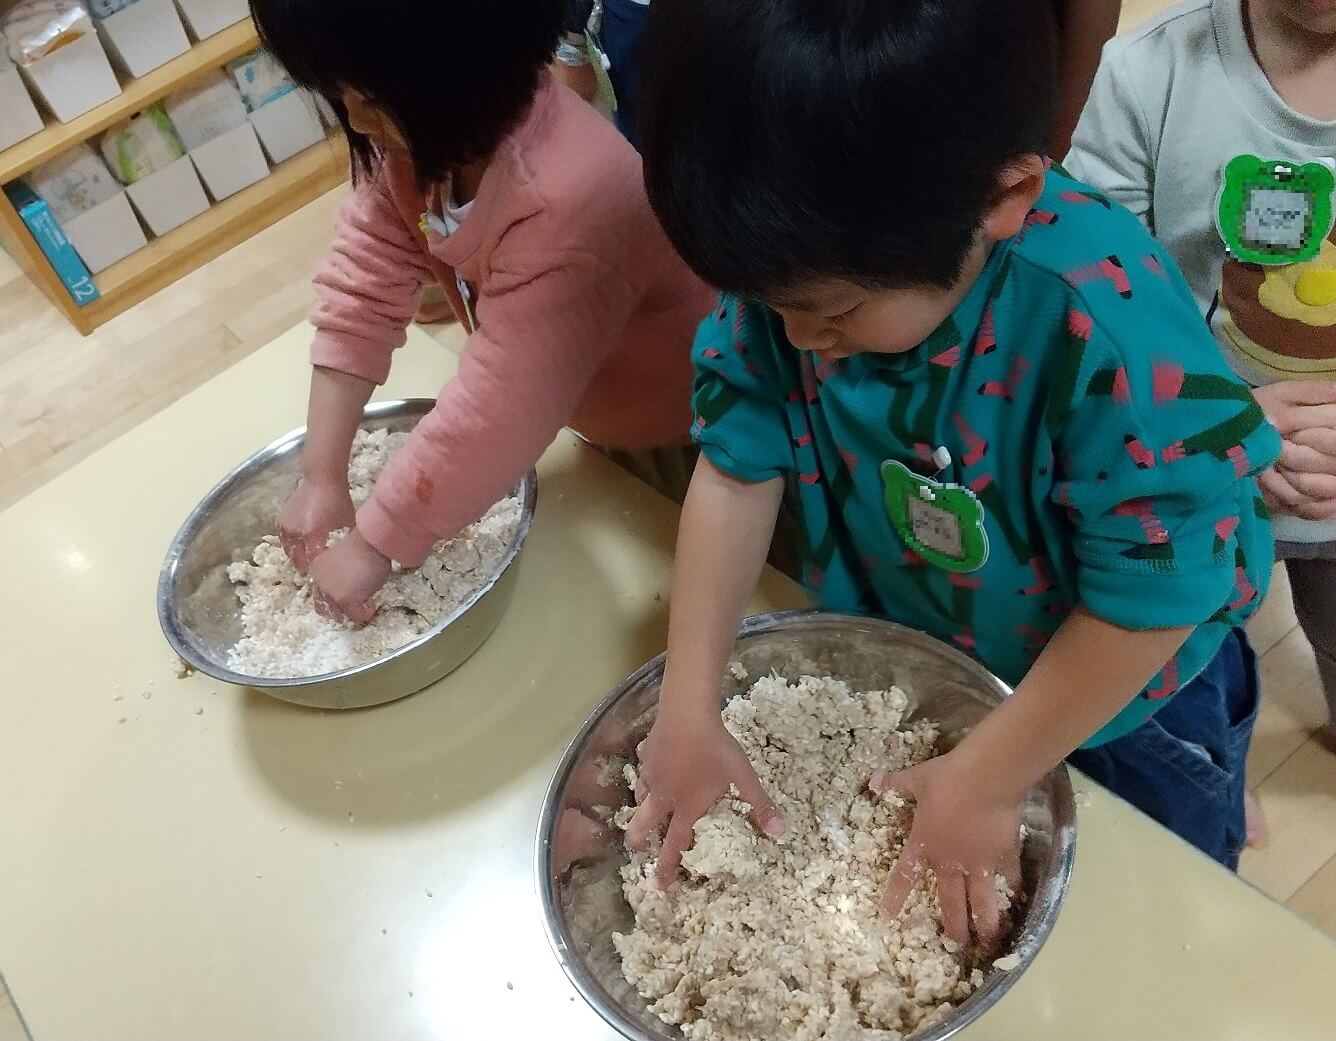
pixel 63 396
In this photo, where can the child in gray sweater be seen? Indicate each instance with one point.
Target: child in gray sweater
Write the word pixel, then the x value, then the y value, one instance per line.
pixel 1216 124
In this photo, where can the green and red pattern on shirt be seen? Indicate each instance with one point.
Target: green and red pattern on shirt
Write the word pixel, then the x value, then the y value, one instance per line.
pixel 1085 404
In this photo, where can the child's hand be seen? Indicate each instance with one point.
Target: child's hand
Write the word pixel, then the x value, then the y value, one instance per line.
pixel 1303 483
pixel 1293 493
pixel 687 764
pixel 315 509
pixel 346 578
pixel 966 834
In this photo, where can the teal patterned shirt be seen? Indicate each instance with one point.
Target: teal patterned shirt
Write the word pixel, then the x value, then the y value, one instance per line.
pixel 1084 405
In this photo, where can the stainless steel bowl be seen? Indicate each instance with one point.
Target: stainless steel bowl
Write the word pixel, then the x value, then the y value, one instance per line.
pixel 583 906
pixel 201 615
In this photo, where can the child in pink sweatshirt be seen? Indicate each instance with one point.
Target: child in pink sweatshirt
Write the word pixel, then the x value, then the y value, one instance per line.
pixel 474 169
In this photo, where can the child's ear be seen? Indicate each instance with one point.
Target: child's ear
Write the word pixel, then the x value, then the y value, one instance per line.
pixel 1018 188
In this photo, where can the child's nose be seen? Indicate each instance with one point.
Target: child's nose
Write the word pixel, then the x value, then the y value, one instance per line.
pixel 809 333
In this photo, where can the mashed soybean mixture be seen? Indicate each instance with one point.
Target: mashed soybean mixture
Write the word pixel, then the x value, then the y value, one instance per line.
pixel 284 638
pixel 785 940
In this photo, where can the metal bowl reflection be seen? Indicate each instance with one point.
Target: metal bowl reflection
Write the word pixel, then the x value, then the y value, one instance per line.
pixel 201 615
pixel 579 860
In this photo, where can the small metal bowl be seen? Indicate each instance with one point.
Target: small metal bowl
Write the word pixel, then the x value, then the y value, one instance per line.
pixel 201 615
pixel 583 905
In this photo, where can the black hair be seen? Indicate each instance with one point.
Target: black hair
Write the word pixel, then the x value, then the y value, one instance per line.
pixel 455 76
pixel 579 13
pixel 792 140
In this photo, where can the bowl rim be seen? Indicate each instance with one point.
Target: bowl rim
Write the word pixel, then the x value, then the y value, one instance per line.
pixel 1049 896
pixel 169 615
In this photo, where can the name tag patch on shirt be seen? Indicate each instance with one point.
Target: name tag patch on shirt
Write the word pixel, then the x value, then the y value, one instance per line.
pixel 1274 211
pixel 942 523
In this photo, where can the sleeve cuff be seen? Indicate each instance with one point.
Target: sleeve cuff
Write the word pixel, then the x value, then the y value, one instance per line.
pixel 1144 598
pixel 406 544
pixel 353 355
pixel 737 468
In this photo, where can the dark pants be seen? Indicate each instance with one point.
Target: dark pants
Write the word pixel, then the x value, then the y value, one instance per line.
pixel 623 27
pixel 669 470
pixel 1184 767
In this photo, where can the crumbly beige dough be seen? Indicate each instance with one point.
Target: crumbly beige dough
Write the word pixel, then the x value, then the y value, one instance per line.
pixel 284 638
pixel 784 940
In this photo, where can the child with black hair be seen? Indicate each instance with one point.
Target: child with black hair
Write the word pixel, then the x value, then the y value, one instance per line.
pixel 1008 424
pixel 475 169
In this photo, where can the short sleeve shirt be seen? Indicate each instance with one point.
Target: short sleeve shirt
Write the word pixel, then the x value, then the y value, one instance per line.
pixel 1086 410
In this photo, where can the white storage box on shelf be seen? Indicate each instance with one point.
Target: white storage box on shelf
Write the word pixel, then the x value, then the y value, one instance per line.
pixel 206 17
pixel 170 197
pixel 231 162
pixel 19 118
pixel 106 233
pixel 207 109
pixel 144 36
pixel 288 125
pixel 74 79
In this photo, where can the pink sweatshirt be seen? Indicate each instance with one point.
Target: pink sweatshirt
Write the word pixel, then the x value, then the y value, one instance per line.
pixel 585 317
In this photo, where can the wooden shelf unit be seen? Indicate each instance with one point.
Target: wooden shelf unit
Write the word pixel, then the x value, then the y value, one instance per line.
pixel 167 258
pixel 291 185
pixel 136 95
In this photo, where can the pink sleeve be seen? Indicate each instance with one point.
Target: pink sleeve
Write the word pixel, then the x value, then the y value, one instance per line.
pixel 367 288
pixel 521 378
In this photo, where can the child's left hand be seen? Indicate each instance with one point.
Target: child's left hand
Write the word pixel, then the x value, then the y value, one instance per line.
pixel 346 577
pixel 1303 483
pixel 966 833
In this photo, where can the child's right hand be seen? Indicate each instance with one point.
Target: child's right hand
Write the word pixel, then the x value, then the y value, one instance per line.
pixel 315 509
pixel 687 764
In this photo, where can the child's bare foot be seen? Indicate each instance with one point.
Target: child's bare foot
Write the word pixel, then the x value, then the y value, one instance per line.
pixel 1254 821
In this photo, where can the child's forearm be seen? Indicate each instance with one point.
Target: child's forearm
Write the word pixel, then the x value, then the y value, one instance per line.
pixel 1090 671
pixel 1085 27
pixel 722 544
pixel 333 414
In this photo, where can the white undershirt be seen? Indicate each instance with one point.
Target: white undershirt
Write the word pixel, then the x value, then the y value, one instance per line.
pixel 453 216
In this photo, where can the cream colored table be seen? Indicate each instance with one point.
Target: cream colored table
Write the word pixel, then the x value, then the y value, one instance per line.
pixel 185 861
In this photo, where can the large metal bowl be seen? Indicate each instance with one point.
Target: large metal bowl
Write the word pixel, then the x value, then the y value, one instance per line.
pixel 201 615
pixel 583 905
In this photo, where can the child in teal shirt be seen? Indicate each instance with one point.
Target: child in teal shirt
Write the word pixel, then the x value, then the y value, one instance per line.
pixel 1007 424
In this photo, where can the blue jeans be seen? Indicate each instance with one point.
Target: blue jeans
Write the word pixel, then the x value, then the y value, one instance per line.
pixel 623 27
pixel 1184 767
